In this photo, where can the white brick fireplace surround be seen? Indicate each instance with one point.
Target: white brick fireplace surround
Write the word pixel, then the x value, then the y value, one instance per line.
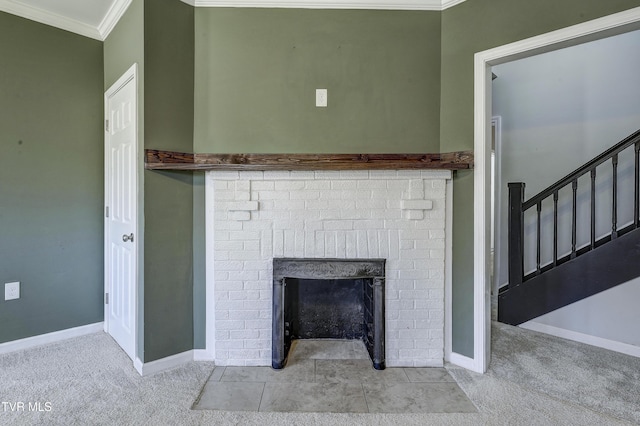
pixel 253 217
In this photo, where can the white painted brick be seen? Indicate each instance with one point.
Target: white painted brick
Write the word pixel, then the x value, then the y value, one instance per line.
pixel 334 194
pixel 327 175
pixel 298 230
pixel 329 244
pixel 413 274
pixel 430 324
pixel 436 314
pixel 240 216
pixel 230 325
pixel 277 174
pixel 372 184
pixel 386 214
pixel 255 265
pixel 417 204
pixel 244 235
pixel 344 184
pixel 371 204
pixel 408 294
pixel 330 214
pixel 404 284
pixel 257 285
pixel 304 195
pixel 407 244
pixel 352 214
pixel 240 275
pixel 428 305
pixel 257 304
pixel 225 175
pixel 252 175
pixel 230 344
pixel 220 295
pixel 257 344
pixel 258 324
pixel 303 174
pixel 273 195
pixel 383 174
pixel 242 196
pixel 415 190
pixel 437 184
pixel 221 254
pixel 319 243
pixel 354 174
pixel 244 255
pixel 431 243
pixel 262 186
pixel 226 285
pixel 290 205
pixel 409 174
pixel 289 185
pixel 437 234
pixel 244 315
pixel 243 354
pixel 397 186
pixel 317 184
pixel 436 254
pixel 414 214
pixel 336 225
pixel 413 314
pixel 220 185
pixel 222 334
pixel 242 205
pixel 319 205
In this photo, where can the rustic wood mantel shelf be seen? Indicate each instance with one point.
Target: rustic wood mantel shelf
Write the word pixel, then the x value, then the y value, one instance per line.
pixel 170 160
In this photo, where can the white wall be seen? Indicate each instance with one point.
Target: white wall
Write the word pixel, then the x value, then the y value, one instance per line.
pixel 559 110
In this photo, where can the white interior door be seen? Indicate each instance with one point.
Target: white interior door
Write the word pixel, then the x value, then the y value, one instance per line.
pixel 121 242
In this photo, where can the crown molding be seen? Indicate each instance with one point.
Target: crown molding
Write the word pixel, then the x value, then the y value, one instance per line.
pixel 446 4
pixel 49 18
pixel 118 8
pixel 437 5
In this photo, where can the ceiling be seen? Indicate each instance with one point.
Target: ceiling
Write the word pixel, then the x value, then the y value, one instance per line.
pixel 96 18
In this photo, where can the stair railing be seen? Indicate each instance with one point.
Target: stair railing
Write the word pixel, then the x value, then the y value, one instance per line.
pixel 518 207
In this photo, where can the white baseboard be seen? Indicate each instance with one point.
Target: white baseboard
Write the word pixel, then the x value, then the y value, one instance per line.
pixel 462 361
pixel 612 345
pixel 162 364
pixel 202 355
pixel 53 337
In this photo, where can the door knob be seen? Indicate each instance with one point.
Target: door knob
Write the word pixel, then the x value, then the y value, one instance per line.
pixel 126 237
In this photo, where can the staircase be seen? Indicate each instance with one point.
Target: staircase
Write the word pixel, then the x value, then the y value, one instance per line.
pixel 559 277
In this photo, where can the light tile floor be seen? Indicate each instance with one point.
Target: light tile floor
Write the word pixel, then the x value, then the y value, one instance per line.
pixel 332 376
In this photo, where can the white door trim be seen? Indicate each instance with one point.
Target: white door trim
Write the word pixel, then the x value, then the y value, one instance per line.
pixel 496 124
pixel 129 75
pixel 617 23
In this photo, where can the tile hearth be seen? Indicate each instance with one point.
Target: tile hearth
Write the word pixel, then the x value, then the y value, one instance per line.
pixel 332 376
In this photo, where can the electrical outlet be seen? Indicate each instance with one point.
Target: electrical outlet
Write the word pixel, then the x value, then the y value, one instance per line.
pixel 11 291
pixel 321 97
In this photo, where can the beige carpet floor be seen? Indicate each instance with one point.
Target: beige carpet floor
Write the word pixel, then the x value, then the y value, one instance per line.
pixel 90 381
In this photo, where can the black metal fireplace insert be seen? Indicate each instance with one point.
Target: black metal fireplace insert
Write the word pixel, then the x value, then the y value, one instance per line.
pixel 328 298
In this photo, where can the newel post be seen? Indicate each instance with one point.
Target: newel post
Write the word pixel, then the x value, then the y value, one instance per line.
pixel 516 233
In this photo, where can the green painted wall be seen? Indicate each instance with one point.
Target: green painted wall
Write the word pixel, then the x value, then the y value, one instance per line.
pixel 257 71
pixel 124 47
pixel 470 27
pixel 51 165
pixel 199 263
pixel 168 196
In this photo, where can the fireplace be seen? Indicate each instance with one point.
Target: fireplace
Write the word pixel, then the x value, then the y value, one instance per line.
pixel 255 219
pixel 328 298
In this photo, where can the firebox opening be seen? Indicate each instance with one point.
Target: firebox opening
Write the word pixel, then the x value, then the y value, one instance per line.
pixel 328 299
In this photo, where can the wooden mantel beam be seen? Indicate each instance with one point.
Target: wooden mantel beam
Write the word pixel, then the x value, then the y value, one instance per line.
pixel 170 160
